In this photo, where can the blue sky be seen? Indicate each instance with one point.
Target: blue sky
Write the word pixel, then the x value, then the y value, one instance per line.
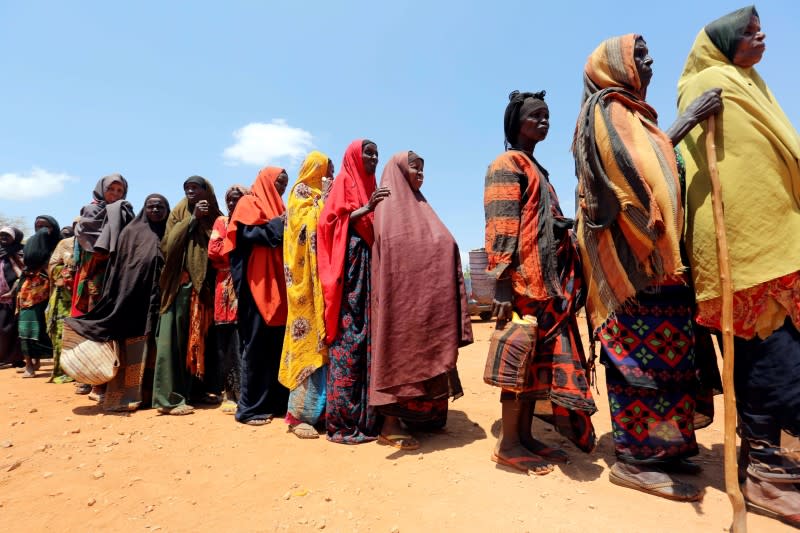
pixel 159 91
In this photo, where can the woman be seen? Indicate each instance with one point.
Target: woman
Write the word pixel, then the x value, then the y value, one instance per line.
pixel 34 292
pixel 532 256
pixel 187 298
pixel 62 277
pixel 757 156
pixel 412 374
pixel 344 238
pixel 11 266
pixel 255 244
pixel 639 302
pixel 97 231
pixel 127 311
pixel 226 305
pixel 304 362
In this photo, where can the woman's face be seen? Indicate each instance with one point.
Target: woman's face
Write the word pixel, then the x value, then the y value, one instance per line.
pixel 643 62
pixel 281 182
pixel 751 47
pixel 43 223
pixel 535 125
pixel 114 192
pixel 231 200
pixel 329 173
pixel 194 192
pixel 415 176
pixel 6 239
pixel 369 155
pixel 155 210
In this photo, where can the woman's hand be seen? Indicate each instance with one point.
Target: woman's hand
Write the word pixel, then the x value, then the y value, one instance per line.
pixel 378 195
pixel 201 209
pixel 707 104
pixel 502 307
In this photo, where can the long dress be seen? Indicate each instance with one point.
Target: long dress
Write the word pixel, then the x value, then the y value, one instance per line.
pixel 127 312
pixel 343 253
pixel 639 299
pixel 61 271
pixel 527 235
pixel 758 157
pixel 11 265
pixel 254 242
pixel 414 347
pixel 187 303
pixel 304 361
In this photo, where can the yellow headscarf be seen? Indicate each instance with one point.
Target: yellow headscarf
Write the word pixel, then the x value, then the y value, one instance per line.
pixel 757 156
pixel 304 349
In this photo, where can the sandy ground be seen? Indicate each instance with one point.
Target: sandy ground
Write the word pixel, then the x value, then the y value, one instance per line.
pixel 67 466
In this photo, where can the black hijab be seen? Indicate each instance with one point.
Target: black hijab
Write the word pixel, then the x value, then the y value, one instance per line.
pixel 726 32
pixel 40 245
pixel 518 104
pixel 131 297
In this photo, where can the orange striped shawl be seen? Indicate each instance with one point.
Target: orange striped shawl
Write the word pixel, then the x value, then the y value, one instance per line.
pixel 630 215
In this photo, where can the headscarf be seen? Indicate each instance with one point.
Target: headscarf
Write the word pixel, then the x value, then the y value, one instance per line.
pixel 15 246
pixel 630 215
pixel 40 245
pixel 130 301
pixel 726 32
pixel 241 189
pixel 519 104
pixel 185 244
pixel 758 150
pixel 265 275
pixel 100 224
pixel 304 349
pixel 351 189
pixel 415 259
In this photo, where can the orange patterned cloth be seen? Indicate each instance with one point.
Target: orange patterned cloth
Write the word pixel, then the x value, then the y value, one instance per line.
pixel 759 310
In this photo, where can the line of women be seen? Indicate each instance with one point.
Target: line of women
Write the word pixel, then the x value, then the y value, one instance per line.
pixel 307 313
pixel 645 267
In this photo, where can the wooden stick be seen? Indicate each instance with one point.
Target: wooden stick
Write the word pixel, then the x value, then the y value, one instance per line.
pixel 731 468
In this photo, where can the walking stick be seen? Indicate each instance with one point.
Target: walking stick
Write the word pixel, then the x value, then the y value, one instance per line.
pixel 729 394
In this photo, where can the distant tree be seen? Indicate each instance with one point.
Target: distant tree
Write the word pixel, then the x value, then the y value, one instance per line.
pixel 17 222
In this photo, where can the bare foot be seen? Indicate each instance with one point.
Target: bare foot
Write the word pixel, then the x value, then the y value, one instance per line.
pixel 780 501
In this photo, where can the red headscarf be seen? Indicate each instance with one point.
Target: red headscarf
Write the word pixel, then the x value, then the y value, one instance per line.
pixel 265 266
pixel 352 189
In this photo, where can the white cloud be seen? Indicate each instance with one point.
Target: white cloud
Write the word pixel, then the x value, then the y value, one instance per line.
pixel 259 143
pixel 38 183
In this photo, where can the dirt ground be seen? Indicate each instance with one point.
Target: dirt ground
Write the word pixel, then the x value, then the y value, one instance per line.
pixel 67 466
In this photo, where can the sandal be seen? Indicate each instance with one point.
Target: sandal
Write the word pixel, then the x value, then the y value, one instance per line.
pixel 180 410
pixel 229 407
pixel 28 373
pixel 401 442
pixel 304 431
pixel 210 398
pixel 82 388
pixel 553 454
pixel 524 463
pixel 258 421
pixel 669 488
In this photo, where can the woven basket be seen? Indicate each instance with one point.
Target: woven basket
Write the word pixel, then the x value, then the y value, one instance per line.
pixel 88 361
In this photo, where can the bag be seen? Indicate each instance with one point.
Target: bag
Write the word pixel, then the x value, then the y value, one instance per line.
pixel 88 361
pixel 511 351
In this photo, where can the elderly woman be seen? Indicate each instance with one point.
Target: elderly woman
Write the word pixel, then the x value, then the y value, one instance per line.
pixel 187 298
pixel 639 300
pixel 127 311
pixel 255 243
pixel 11 266
pixel 34 291
pixel 757 155
pixel 533 258
pixel 344 238
pixel 304 362
pixel 412 375
pixel 97 232
pixel 225 307
pixel 62 277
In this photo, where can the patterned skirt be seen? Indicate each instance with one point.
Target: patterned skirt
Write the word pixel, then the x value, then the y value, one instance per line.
pixel 349 418
pixel 648 350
